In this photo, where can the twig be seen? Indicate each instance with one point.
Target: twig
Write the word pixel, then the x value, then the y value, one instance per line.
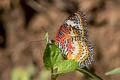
pixel 53 77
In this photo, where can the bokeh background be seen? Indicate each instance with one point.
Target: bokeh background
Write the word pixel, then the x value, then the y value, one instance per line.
pixel 23 24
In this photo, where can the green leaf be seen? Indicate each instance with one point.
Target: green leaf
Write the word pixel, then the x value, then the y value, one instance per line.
pixel 30 70
pixel 47 37
pixel 52 56
pixel 88 73
pixel 16 73
pixel 20 74
pixel 66 66
pixel 44 75
pixel 114 71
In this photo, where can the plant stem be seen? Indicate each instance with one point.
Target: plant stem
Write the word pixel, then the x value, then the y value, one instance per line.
pixel 53 77
pixel 90 74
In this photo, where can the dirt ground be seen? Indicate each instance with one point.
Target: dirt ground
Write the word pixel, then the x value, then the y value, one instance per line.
pixel 23 24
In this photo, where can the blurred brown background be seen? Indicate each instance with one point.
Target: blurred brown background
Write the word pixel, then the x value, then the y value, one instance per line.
pixel 24 22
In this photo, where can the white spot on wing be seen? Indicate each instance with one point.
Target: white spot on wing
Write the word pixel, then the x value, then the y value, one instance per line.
pixel 70 22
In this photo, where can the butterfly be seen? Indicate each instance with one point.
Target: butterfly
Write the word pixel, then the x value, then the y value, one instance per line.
pixel 72 39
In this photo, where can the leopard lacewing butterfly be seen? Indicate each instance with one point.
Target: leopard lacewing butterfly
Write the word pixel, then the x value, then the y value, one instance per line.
pixel 72 39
